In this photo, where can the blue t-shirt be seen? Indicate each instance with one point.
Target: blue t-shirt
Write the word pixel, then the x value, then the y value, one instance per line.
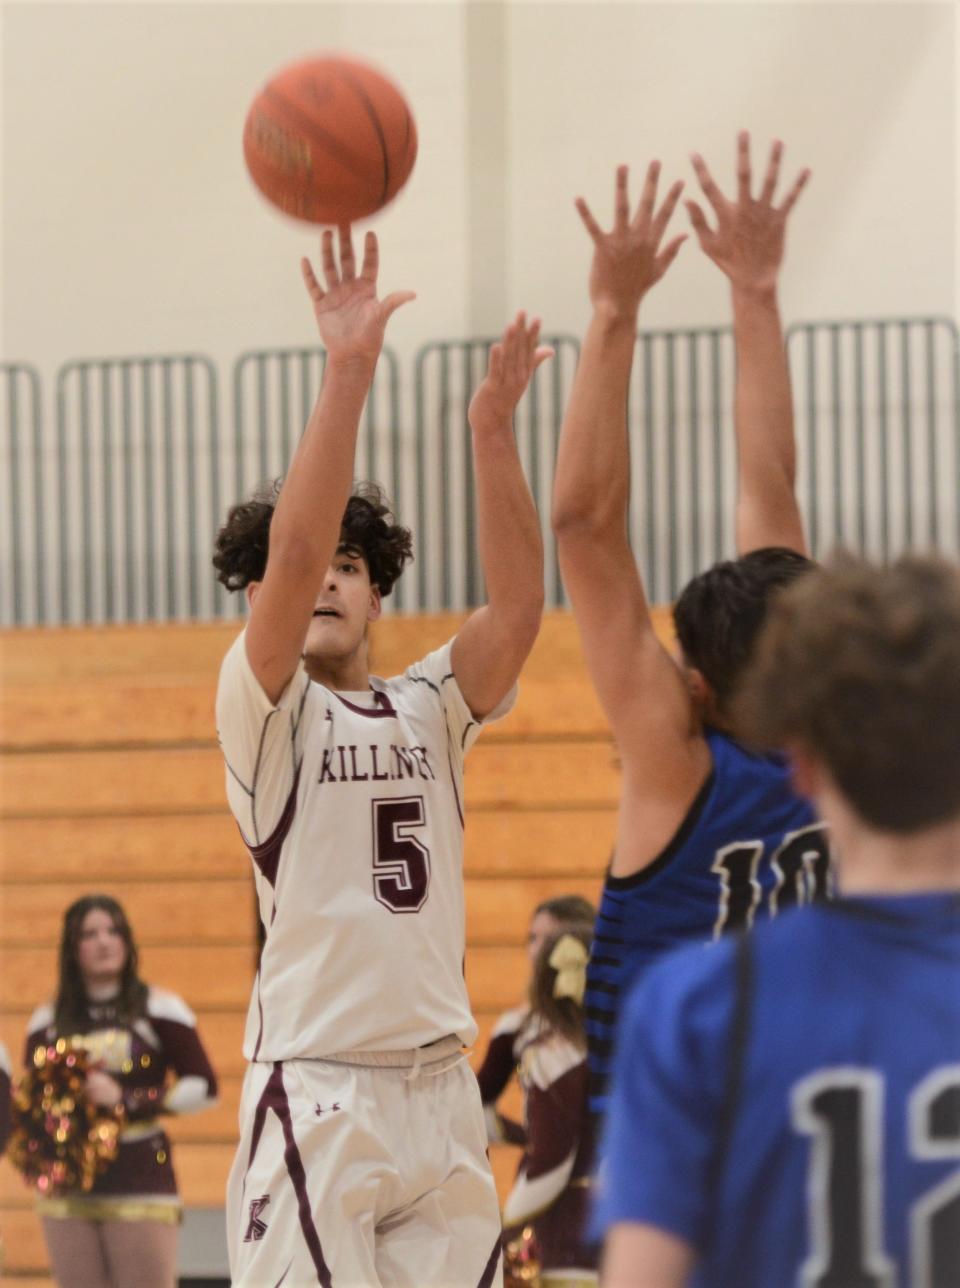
pixel 748 848
pixel 788 1102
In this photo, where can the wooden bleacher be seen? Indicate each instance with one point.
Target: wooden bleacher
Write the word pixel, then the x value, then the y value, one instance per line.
pixel 112 781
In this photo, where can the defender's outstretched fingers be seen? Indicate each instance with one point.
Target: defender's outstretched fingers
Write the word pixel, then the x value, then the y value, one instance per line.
pixel 591 225
pixel 371 258
pixel 310 280
pixel 395 301
pixel 790 199
pixel 541 354
pixel 665 213
pixel 348 268
pixel 773 173
pixel 621 201
pixel 669 254
pixel 648 197
pixel 707 183
pixel 743 167
pixel 327 261
pixel 533 335
pixel 699 221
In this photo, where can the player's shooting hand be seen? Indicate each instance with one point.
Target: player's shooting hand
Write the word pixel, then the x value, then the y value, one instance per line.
pixel 103 1090
pixel 628 260
pixel 513 360
pixel 748 241
pixel 351 319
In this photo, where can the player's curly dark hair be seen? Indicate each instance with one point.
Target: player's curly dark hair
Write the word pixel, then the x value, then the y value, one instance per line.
pixel 720 612
pixel 368 527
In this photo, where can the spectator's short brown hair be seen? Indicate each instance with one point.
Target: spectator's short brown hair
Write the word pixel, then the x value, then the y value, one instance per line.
pixel 860 665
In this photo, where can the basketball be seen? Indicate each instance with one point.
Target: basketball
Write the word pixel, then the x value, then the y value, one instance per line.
pixel 329 140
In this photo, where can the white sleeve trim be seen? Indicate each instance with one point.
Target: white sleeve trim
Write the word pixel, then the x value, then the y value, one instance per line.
pixel 162 1005
pixel 510 1021
pixel 41 1018
pixel 546 1062
pixel 529 1198
pixel 188 1095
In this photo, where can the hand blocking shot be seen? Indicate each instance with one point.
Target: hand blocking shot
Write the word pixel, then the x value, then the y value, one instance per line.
pixel 362 1157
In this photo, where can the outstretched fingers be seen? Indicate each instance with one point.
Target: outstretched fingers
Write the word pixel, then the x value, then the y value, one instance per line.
pixel 348 267
pixel 699 221
pixel 669 254
pixel 591 225
pixel 773 173
pixel 327 261
pixel 648 197
pixel 371 257
pixel 665 213
pixel 743 168
pixel 790 200
pixel 707 183
pixel 621 200
pixel 395 301
pixel 310 280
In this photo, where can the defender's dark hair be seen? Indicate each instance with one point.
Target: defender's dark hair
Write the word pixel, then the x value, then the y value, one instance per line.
pixel 720 612
pixel 368 527
pixel 71 1008
pixel 860 665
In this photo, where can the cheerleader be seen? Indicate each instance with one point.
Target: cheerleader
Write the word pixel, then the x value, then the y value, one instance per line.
pixel 507 1036
pixel 551 1193
pixel 144 1055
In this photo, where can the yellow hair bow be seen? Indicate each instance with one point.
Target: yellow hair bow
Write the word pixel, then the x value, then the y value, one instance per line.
pixel 569 960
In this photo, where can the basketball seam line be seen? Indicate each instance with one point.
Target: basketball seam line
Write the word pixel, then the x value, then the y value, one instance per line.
pixel 335 145
pixel 375 119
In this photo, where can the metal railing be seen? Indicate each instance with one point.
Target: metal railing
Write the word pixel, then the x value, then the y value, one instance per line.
pixel 109 513
pixel 878 429
pixel 446 570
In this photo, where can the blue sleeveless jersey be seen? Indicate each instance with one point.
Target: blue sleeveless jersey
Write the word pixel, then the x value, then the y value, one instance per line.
pixel 748 848
pixel 788 1103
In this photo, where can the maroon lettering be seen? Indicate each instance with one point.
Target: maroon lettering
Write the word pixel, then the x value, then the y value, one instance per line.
pixel 401 863
pixel 423 764
pixel 256 1228
pixel 404 763
pixel 356 777
pixel 343 765
pixel 326 774
pixel 376 775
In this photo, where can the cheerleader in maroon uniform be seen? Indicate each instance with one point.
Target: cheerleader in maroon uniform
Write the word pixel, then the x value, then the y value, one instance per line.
pixel 503 1052
pixel 144 1050
pixel 551 1193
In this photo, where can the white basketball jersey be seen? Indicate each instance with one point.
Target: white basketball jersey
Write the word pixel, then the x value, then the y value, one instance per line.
pixel 352 808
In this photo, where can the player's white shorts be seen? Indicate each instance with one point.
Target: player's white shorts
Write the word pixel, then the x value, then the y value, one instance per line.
pixel 359 1176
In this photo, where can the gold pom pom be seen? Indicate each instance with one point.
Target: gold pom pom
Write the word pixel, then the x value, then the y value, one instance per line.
pixel 60 1140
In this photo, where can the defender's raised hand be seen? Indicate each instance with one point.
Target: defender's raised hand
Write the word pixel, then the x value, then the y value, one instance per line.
pixel 748 242
pixel 513 360
pixel 350 317
pixel 628 260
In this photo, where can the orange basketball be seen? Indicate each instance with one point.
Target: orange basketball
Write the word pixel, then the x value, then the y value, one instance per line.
pixel 329 140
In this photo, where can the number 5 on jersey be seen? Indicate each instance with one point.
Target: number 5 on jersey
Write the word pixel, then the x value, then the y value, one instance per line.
pixel 401 863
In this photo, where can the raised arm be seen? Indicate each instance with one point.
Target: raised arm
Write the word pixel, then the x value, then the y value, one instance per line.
pixel 748 245
pixel 641 689
pixel 305 528
pixel 493 643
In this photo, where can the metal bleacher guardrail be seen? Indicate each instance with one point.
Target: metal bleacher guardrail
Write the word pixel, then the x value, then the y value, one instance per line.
pixel 110 502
